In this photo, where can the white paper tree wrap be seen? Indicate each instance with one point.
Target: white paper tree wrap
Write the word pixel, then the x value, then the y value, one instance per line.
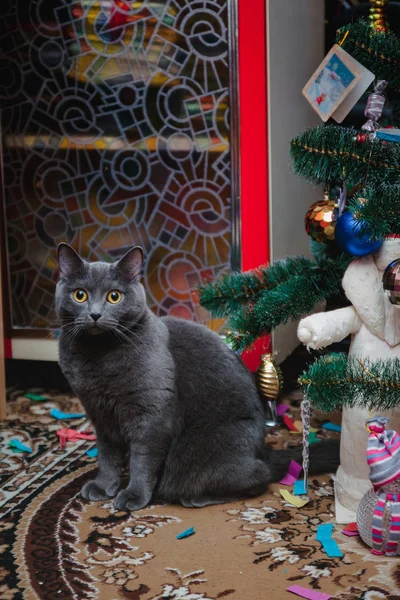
pixel 374 325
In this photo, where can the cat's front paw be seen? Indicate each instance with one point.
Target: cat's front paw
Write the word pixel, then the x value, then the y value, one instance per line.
pixel 95 493
pixel 127 500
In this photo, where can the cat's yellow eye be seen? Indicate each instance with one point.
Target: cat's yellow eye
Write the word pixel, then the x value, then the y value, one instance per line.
pixel 114 297
pixel 80 296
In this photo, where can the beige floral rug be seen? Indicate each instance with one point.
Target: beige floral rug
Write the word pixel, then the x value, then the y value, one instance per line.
pixel 55 545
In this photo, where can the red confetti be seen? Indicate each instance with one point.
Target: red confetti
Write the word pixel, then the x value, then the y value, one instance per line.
pixel 72 435
pixel 289 423
pixel 351 527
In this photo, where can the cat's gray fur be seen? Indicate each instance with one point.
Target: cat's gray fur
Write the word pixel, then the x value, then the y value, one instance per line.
pixel 166 392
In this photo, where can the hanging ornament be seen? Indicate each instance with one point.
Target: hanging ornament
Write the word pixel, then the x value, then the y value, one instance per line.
pixel 391 282
pixel 341 200
pixel 319 221
pixel 377 19
pixel 270 384
pixel 378 513
pixel 305 419
pixel 374 107
pixel 349 239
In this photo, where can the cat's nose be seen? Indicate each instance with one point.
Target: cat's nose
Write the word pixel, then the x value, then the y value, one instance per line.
pixel 95 316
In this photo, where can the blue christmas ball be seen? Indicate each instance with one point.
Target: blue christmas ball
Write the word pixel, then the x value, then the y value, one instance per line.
pixel 349 239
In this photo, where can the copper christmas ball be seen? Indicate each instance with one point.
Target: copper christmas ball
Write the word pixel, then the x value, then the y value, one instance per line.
pixel 391 281
pixel 319 221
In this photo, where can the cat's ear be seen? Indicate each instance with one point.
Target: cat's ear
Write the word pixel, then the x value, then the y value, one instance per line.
pixel 130 266
pixel 68 260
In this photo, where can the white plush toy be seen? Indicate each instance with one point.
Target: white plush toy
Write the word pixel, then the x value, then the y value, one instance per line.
pixel 374 324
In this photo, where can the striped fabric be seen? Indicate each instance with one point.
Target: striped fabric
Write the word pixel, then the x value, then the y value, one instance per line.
pixel 383 457
pixel 377 519
pixel 394 529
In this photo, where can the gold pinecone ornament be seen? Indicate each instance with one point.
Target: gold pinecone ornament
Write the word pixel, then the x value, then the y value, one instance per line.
pixel 377 17
pixel 270 384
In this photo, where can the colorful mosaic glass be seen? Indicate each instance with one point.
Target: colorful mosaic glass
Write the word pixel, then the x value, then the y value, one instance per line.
pixel 115 121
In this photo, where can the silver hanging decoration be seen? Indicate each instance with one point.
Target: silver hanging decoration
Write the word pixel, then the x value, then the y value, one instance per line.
pixel 341 196
pixel 305 419
pixel 374 108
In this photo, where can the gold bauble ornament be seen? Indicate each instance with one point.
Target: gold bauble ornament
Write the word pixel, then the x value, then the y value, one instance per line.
pixel 320 220
pixel 269 377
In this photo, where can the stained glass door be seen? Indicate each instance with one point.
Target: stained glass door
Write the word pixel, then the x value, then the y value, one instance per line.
pixel 116 132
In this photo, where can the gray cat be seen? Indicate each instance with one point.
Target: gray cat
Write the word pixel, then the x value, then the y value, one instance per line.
pixel 166 392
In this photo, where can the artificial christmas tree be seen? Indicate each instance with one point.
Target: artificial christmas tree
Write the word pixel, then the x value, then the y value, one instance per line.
pixel 360 171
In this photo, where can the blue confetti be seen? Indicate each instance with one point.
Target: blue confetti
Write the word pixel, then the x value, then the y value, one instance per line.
pixel 93 452
pixel 324 535
pixel 185 534
pixel 298 489
pixel 332 549
pixel 324 532
pixel 58 414
pixel 18 446
pixel 332 427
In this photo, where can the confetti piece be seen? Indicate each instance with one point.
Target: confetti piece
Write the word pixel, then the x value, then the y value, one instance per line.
pixel 93 452
pixel 298 489
pixel 72 435
pixel 36 397
pixel 332 549
pixel 58 414
pixel 331 426
pixel 306 593
pixel 282 408
pixel 289 423
pixel 186 533
pixel 352 527
pixel 324 532
pixel 324 535
pixel 299 426
pixel 293 500
pixel 349 533
pixel 291 476
pixel 313 430
pixel 312 438
pixel 18 446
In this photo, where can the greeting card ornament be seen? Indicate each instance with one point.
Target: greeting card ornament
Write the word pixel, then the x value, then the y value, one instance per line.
pixel 378 514
pixel 319 221
pixel 350 239
pixel 391 282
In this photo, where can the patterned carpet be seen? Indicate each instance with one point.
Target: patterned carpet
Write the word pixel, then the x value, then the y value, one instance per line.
pixel 56 545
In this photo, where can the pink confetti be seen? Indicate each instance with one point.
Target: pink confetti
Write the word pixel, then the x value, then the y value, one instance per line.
pixel 282 408
pixel 349 533
pixel 292 474
pixel 306 593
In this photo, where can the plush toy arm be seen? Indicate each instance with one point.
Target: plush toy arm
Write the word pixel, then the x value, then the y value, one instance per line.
pixel 324 329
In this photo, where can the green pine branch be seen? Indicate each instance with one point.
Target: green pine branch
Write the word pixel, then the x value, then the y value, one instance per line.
pixel 231 290
pixel 330 154
pixel 377 210
pixel 377 51
pixel 297 296
pixel 335 381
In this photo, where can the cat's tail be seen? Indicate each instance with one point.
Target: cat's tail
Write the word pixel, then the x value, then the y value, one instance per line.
pixel 324 459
